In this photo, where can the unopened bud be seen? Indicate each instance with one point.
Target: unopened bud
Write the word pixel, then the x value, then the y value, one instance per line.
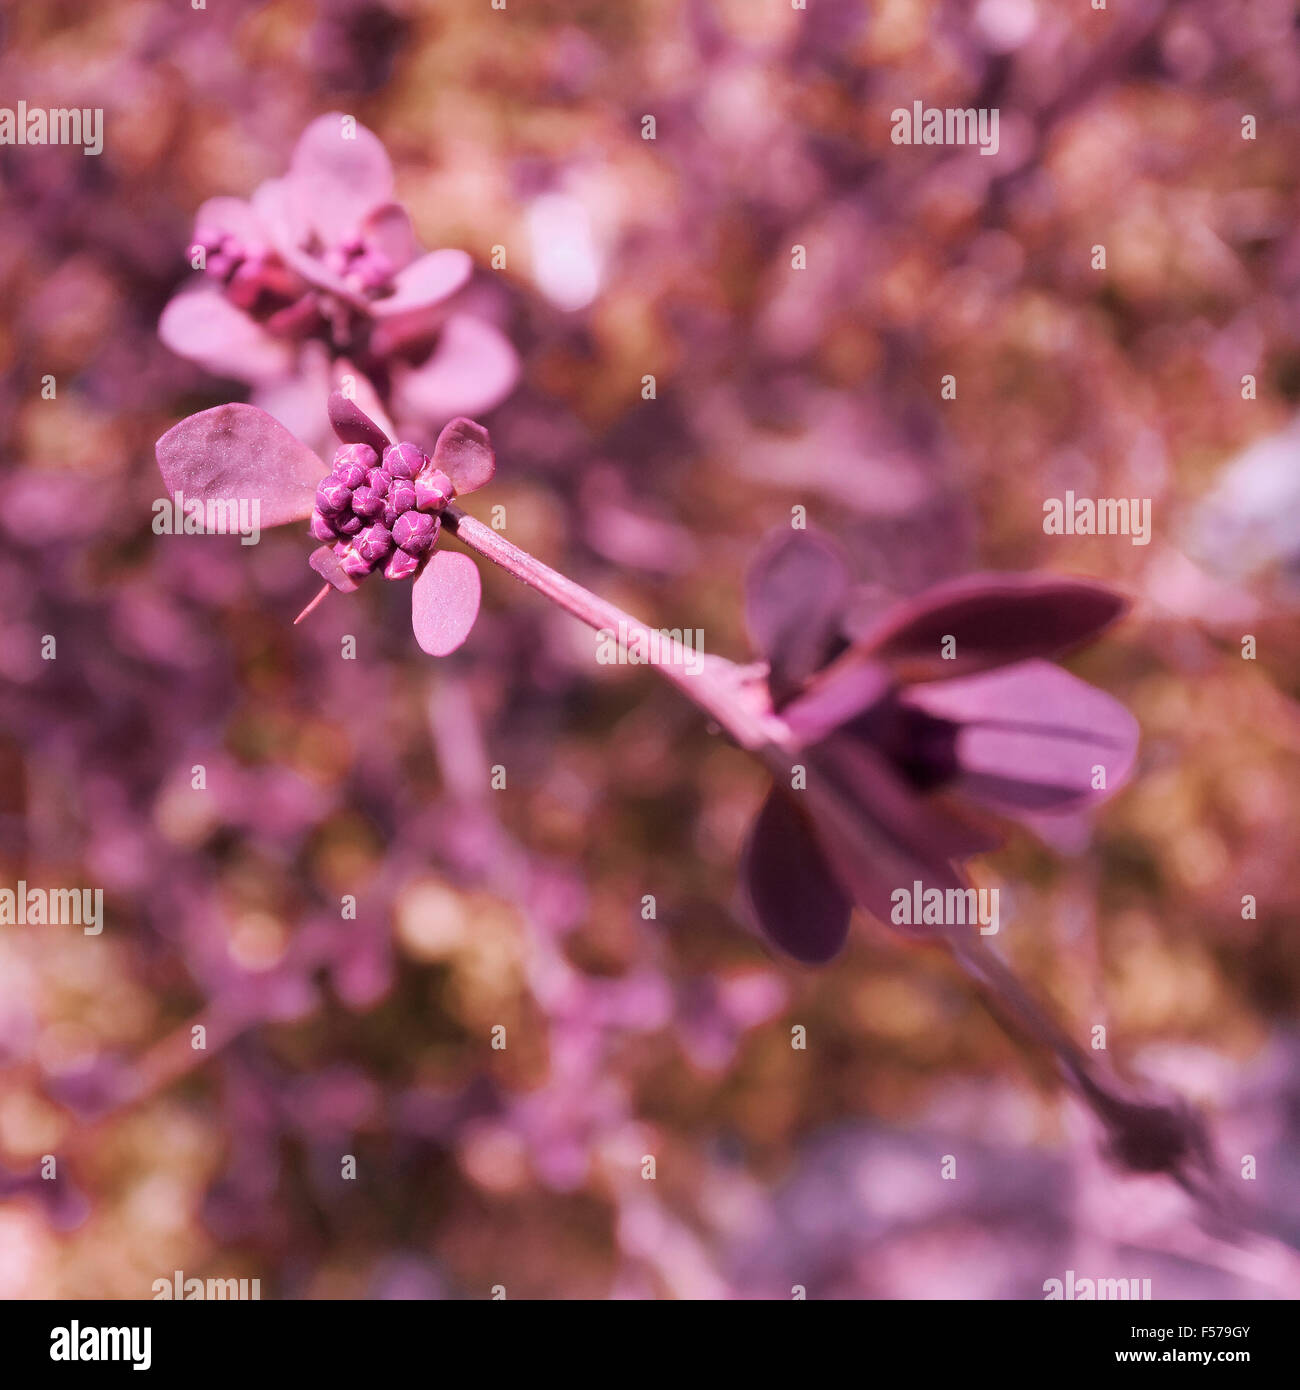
pixel 352 562
pixel 416 531
pixel 404 460
pixel 433 490
pixel 353 462
pixel 401 495
pixel 401 565
pixel 332 496
pixel 367 502
pixel 375 542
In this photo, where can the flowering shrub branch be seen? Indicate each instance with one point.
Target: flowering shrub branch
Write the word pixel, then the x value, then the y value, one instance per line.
pixel 895 736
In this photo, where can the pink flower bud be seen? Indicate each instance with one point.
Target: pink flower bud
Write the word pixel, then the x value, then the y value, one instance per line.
pixel 433 490
pixel 321 528
pixel 351 474
pixel 374 543
pixel 404 460
pixel 401 495
pixel 367 502
pixel 353 462
pixel 416 531
pixel 401 565
pixel 332 496
pixel 352 562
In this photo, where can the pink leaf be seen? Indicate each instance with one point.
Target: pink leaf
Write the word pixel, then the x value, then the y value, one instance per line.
pixel 328 565
pixel 996 619
pixel 353 425
pixel 338 174
pixel 790 889
pixel 424 284
pixel 234 215
pixel 237 451
pixel 464 453
pixel 472 368
pixel 203 326
pixel 388 229
pixel 795 593
pixel 1030 735
pixel 444 601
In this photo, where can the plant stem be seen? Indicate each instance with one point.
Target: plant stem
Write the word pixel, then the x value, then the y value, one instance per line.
pixel 717 687
pixel 1148 1133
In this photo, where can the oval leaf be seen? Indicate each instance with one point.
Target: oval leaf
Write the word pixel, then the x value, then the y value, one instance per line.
pixel 236 452
pixel 1029 737
pixel 791 890
pixel 471 368
pixel 464 453
pixel 353 425
pixel 795 593
pixel 444 601
pixel 425 283
pixel 203 326
pixel 996 619
pixel 340 171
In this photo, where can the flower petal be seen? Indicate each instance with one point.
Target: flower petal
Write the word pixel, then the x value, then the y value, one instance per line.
pixel 1030 735
pixel 794 594
pixel 235 452
pixel 424 284
pixel 996 619
pixel 353 425
pixel 471 368
pixel 340 171
pixel 203 326
pixel 444 601
pixel 789 888
pixel 464 453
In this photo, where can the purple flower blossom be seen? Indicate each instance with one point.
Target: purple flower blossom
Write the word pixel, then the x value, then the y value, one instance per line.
pixel 906 721
pixel 324 256
pixel 238 452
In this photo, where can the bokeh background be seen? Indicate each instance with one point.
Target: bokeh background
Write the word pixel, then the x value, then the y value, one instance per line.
pixel 523 907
